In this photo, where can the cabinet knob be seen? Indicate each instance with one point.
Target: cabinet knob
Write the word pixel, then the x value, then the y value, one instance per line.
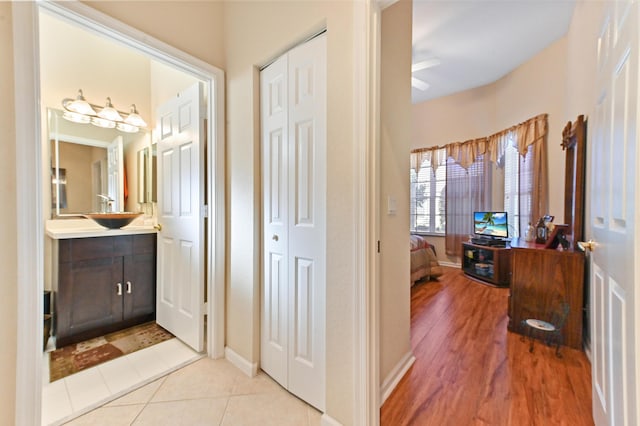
pixel 129 287
pixel 158 227
pixel 275 237
pixel 587 245
pixel 119 289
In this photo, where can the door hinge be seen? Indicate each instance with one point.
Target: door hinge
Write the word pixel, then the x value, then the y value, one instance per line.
pixel 205 211
pixel 378 246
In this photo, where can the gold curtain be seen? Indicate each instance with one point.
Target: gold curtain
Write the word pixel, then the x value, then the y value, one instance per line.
pixel 465 153
pixel 435 156
pixel 540 190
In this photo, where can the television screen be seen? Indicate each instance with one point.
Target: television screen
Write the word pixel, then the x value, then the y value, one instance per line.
pixel 490 224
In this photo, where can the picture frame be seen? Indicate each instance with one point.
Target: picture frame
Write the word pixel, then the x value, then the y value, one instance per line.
pixel 558 237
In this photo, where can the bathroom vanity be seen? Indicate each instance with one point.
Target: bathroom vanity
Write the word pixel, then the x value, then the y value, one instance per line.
pixel 103 280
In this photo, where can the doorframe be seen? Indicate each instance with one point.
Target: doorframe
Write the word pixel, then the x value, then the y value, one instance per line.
pixel 29 185
pixel 366 74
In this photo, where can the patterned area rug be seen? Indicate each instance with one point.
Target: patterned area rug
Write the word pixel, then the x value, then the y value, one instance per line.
pixel 79 356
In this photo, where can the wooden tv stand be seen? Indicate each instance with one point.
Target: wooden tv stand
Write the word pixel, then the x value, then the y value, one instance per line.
pixel 487 263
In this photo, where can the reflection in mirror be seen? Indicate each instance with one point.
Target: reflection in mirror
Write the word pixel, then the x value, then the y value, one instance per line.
pixel 147 175
pixel 71 190
pixel 87 167
pixel 153 173
pixel 143 182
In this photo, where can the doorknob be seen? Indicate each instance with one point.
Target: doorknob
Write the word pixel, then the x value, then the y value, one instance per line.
pixel 587 245
pixel 275 237
pixel 158 227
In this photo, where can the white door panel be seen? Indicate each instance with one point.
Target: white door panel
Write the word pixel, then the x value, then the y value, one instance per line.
pixel 613 188
pixel 307 235
pixel 294 223
pixel 599 353
pixel 180 298
pixel 274 336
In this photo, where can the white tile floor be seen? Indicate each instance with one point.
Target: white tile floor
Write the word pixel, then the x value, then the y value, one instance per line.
pixel 76 394
pixel 204 392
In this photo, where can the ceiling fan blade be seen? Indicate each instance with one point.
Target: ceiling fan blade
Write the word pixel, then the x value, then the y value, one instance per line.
pixel 419 84
pixel 425 64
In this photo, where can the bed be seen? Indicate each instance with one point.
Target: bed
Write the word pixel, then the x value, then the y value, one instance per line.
pixel 424 263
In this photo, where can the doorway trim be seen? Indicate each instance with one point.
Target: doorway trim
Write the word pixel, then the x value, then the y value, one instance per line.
pixel 29 185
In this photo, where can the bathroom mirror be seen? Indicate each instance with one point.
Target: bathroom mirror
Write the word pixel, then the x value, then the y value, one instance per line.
pixel 88 162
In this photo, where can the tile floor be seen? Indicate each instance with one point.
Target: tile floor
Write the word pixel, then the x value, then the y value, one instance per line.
pixel 67 398
pixel 203 392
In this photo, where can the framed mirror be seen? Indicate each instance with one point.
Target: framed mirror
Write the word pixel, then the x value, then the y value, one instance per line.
pixel 573 142
pixel 88 167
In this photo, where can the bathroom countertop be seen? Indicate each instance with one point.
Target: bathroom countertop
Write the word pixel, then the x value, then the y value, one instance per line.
pixel 60 229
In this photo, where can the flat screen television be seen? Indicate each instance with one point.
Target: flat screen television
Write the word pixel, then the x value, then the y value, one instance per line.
pixel 490 224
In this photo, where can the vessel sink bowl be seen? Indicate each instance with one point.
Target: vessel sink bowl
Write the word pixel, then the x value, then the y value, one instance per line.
pixel 113 220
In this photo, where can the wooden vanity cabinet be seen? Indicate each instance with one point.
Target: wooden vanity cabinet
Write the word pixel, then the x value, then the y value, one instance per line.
pixel 104 284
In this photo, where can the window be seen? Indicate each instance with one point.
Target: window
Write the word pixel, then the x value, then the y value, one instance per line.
pixel 427 208
pixel 518 187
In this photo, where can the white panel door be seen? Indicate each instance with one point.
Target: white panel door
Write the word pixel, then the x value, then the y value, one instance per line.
pixel 115 173
pixel 274 337
pixel 307 221
pixel 180 277
pixel 611 223
pixel 293 104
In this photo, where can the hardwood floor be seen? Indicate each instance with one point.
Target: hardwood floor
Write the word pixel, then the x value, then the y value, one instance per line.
pixel 470 371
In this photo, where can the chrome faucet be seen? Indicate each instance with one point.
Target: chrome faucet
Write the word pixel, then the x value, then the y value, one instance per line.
pixel 106 203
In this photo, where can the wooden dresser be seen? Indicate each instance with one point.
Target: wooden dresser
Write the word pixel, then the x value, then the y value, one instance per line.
pixel 541 279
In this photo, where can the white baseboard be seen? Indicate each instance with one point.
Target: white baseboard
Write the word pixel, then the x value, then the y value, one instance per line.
pixel 450 264
pixel 248 368
pixel 327 420
pixel 391 381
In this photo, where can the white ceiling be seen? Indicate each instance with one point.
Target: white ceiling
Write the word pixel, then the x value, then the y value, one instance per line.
pixel 479 41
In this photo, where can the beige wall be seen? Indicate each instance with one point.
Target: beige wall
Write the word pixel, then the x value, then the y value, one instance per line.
pixel 581 58
pixel 538 86
pixel 195 27
pixel 8 259
pixel 274 27
pixel 395 132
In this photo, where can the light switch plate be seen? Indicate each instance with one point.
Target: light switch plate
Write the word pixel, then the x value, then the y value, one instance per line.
pixel 391 205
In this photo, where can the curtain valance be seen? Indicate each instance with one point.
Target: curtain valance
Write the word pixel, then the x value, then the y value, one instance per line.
pixel 465 153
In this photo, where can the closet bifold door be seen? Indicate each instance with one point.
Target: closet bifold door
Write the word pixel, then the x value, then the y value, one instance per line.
pixel 274 338
pixel 293 118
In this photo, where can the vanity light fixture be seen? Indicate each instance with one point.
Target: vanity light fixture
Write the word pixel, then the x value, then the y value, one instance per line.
pixel 80 111
pixel 109 112
pixel 79 105
pixel 134 118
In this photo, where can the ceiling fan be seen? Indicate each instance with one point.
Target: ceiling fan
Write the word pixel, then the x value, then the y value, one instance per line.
pixel 422 65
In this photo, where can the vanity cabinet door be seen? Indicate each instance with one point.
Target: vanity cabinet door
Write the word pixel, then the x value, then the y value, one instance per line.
pixel 88 297
pixel 140 278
